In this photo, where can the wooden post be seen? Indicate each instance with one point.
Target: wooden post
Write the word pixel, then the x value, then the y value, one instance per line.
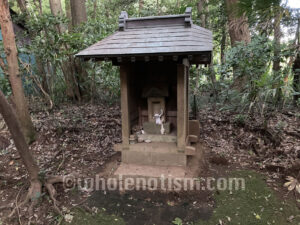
pixel 124 76
pixel 182 107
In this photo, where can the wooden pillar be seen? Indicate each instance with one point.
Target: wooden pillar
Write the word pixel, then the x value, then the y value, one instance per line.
pixel 124 77
pixel 182 105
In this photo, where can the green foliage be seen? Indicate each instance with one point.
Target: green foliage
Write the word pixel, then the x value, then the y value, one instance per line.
pixel 240 119
pixel 253 84
pixel 4 85
pixel 250 60
pixel 177 221
pixel 247 67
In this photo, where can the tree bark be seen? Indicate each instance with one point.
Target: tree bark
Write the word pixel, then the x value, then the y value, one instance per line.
pixel 141 6
pixel 296 81
pixel 68 14
pixel 14 73
pixel 78 12
pixel 22 5
pixel 202 10
pixel 95 9
pixel 223 46
pixel 277 37
pixel 13 125
pixel 238 25
pixel 56 10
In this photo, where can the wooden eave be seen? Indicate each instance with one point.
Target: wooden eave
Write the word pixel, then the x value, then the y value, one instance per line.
pixel 162 38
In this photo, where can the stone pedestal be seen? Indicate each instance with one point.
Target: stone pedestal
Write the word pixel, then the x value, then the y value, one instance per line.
pixel 153 128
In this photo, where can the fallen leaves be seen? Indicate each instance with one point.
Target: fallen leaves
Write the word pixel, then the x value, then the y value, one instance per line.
pixel 292 184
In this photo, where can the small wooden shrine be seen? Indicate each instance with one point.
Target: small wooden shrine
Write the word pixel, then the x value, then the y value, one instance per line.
pixel 154 55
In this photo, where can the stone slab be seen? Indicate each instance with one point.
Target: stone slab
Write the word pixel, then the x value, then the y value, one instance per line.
pixel 153 128
pixel 157 137
pixel 150 171
pixel 154 158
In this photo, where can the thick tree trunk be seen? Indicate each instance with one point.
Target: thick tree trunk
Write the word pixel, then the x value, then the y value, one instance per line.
pixel 202 11
pixel 68 67
pixel 13 125
pixel 78 11
pixel 238 25
pixel 79 16
pixel 22 5
pixel 14 73
pixel 238 29
pixel 56 10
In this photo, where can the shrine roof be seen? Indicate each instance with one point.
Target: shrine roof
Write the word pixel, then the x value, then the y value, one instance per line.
pixel 174 35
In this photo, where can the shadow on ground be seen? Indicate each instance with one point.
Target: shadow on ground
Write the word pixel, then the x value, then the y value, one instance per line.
pixel 256 204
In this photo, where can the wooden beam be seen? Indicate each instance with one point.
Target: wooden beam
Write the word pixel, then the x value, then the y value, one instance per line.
pixel 182 112
pixel 124 77
pixel 186 62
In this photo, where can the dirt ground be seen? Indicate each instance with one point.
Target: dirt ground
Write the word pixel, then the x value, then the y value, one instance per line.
pixel 74 138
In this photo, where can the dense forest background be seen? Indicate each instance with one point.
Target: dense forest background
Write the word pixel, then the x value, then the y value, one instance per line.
pixel 256 45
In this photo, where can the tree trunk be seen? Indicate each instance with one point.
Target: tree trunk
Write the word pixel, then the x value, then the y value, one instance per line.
pixel 79 16
pixel 14 73
pixel 95 9
pixel 277 36
pixel 78 11
pixel 41 71
pixel 141 6
pixel 202 10
pixel 223 45
pixel 22 5
pixel 296 81
pixel 224 33
pixel 56 10
pixel 238 25
pixel 238 29
pixel 39 62
pixel 68 14
pixel 158 7
pixel 13 125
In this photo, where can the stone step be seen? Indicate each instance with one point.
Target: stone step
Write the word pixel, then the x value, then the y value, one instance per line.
pixel 158 138
pixel 190 150
pixel 192 138
pixel 154 158
pixel 135 170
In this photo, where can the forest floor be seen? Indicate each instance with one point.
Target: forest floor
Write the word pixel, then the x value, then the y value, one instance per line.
pixel 80 138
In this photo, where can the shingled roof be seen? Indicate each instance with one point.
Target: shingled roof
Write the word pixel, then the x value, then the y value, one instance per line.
pixel 173 35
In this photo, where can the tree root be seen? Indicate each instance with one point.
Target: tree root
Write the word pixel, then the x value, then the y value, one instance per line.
pixel 35 192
